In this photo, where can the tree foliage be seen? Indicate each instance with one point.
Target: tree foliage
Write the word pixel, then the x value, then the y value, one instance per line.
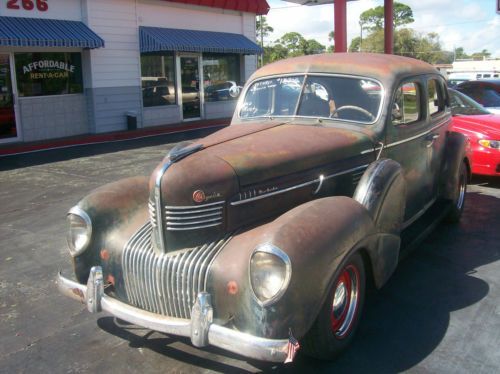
pixel 262 28
pixel 373 18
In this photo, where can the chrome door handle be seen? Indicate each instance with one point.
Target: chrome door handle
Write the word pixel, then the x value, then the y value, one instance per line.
pixel 431 138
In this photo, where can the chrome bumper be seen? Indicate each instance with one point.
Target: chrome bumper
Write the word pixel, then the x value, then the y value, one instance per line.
pixel 199 328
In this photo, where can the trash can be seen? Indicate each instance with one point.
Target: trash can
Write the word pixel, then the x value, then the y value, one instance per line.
pixel 131 120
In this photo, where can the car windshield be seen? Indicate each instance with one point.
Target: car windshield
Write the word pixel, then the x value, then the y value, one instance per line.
pixel 464 105
pixel 334 97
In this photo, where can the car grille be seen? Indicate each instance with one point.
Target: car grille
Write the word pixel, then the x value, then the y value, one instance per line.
pixel 166 283
pixel 184 218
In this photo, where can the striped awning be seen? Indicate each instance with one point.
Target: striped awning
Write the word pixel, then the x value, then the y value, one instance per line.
pixel 37 32
pixel 155 39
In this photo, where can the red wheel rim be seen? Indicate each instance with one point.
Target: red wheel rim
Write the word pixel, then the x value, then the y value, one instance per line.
pixel 345 301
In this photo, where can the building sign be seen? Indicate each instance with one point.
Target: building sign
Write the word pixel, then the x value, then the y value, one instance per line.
pixel 48 73
pixel 41 5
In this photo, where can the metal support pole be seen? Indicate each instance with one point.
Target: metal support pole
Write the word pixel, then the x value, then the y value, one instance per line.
pixel 388 26
pixel 340 25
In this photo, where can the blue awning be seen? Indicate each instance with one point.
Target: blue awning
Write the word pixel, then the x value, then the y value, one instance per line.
pixel 155 39
pixel 37 32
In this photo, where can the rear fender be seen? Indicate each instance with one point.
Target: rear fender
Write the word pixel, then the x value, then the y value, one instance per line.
pixel 316 236
pixel 456 152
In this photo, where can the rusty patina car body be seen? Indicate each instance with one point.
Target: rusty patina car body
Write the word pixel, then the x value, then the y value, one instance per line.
pixel 266 233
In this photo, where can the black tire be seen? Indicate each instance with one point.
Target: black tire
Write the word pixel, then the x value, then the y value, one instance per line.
pixel 457 207
pixel 335 326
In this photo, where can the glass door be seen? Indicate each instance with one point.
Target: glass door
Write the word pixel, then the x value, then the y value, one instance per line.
pixel 8 127
pixel 190 87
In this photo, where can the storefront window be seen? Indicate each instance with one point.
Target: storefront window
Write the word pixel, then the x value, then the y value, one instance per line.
pixel 48 73
pixel 221 74
pixel 158 79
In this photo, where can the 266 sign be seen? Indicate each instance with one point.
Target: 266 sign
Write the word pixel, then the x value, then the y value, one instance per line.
pixel 41 5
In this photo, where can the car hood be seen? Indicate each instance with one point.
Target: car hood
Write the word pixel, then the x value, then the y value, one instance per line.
pixel 261 152
pixel 481 125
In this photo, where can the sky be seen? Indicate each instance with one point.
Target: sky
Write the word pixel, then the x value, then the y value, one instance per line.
pixel 473 25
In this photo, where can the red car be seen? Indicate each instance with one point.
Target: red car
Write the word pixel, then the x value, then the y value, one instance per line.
pixel 483 130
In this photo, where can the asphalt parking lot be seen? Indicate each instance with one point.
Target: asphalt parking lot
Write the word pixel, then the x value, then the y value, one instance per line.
pixel 439 313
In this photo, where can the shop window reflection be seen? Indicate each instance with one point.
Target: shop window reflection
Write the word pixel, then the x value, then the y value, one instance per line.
pixel 158 79
pixel 221 74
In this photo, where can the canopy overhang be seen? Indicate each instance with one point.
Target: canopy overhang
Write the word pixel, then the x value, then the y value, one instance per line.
pixel 259 7
pixel 37 32
pixel 156 39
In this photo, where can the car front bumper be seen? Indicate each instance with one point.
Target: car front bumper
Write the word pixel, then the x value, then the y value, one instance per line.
pixel 199 328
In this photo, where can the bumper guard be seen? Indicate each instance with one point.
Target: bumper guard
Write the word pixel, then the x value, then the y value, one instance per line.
pixel 200 328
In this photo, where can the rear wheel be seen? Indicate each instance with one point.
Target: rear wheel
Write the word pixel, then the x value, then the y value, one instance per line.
pixel 338 319
pixel 457 208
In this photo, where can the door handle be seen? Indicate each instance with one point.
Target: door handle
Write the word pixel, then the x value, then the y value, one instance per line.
pixel 431 138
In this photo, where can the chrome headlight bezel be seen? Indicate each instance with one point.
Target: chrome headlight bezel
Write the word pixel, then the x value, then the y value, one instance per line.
pixel 270 250
pixel 76 249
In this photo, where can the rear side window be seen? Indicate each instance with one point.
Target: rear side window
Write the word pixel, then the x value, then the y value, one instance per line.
pixel 406 105
pixel 435 96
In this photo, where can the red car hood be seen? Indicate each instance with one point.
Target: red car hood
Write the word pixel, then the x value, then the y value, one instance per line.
pixel 484 125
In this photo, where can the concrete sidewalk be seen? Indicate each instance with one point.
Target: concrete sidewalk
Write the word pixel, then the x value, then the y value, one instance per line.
pixel 21 147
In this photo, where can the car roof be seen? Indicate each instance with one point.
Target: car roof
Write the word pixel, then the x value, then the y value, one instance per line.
pixel 383 67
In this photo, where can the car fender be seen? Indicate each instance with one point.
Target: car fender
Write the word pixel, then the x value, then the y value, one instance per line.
pixel 456 152
pixel 316 236
pixel 116 211
pixel 382 191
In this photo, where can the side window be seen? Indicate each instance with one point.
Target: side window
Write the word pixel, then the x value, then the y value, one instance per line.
pixel 435 97
pixel 406 105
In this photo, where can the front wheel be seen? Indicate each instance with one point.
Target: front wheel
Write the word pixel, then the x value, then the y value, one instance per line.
pixel 338 319
pixel 458 204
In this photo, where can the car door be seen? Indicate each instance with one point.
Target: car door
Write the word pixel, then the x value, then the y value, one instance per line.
pixel 407 141
pixel 439 118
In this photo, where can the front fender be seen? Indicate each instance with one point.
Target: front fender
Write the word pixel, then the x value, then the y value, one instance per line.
pixel 316 236
pixel 116 211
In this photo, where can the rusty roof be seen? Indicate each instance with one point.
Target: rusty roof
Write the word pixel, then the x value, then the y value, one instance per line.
pixel 375 65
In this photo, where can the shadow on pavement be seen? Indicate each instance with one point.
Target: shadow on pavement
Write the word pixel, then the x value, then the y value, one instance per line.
pixel 405 321
pixel 62 154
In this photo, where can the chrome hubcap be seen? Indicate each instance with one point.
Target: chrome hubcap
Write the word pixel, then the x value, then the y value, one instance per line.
pixel 345 301
pixel 462 183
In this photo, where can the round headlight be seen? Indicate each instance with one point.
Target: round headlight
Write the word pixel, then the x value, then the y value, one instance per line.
pixel 270 272
pixel 79 231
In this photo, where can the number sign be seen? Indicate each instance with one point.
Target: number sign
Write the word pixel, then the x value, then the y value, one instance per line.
pixel 41 5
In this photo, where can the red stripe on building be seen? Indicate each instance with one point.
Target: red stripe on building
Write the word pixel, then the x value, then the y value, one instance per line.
pixel 252 6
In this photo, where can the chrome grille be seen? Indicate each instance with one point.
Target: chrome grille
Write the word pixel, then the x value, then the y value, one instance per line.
pixel 165 283
pixel 152 213
pixel 181 218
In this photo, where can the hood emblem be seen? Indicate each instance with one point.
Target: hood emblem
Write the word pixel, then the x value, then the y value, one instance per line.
pixel 199 196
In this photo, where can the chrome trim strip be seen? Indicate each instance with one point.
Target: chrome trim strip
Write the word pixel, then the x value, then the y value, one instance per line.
pixel 193 227
pixel 194 206
pixel 217 208
pixel 172 224
pixel 404 140
pixel 277 192
pixel 274 350
pixel 159 210
pixel 218 214
pixel 419 214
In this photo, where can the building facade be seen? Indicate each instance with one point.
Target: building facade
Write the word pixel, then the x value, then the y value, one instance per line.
pixel 70 67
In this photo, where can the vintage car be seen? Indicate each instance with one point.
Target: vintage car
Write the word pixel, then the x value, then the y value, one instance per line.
pixel 482 128
pixel 264 236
